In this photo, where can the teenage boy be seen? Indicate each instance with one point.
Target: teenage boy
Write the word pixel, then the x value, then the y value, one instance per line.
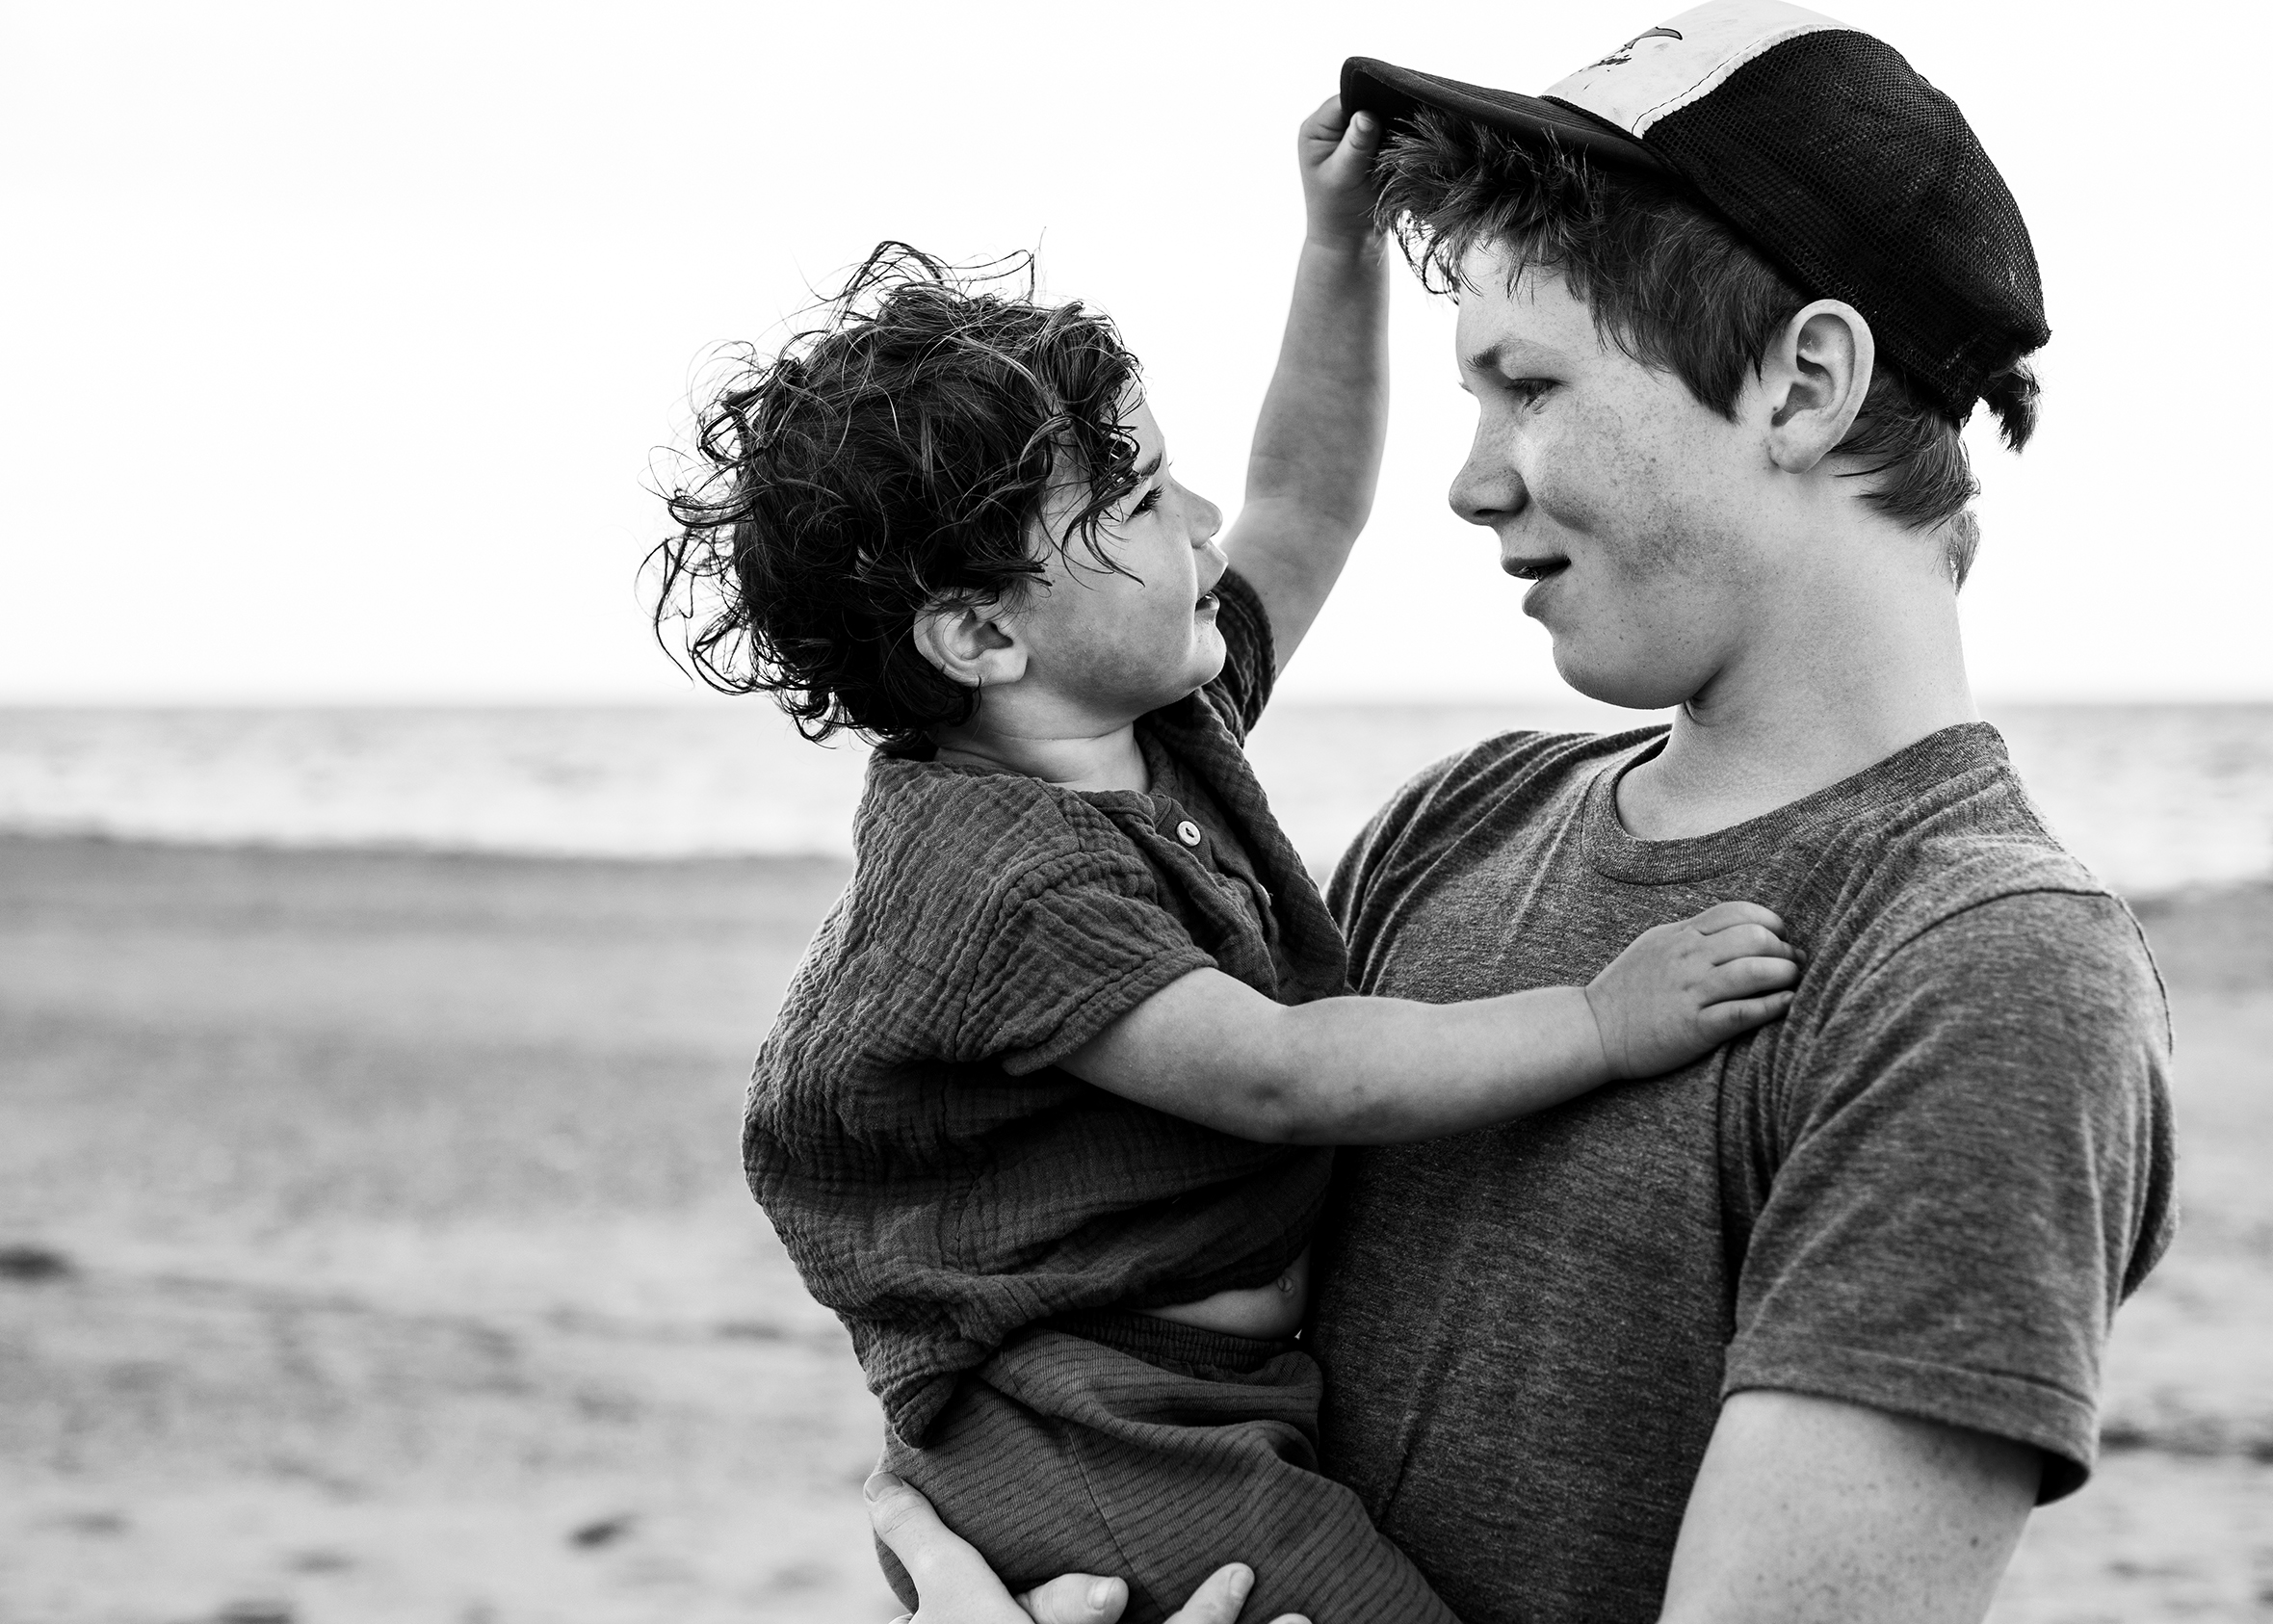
pixel 1805 1330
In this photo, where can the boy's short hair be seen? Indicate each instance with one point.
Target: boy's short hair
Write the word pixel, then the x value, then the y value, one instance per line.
pixel 893 457
pixel 1675 287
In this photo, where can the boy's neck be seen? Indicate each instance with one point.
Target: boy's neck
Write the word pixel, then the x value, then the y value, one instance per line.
pixel 1840 686
pixel 1072 759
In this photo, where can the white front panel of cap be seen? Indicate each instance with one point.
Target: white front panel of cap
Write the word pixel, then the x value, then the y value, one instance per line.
pixel 1689 56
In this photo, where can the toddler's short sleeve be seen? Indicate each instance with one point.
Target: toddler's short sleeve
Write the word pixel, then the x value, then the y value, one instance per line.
pixel 1028 966
pixel 1071 959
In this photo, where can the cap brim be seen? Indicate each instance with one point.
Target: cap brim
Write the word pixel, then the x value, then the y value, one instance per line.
pixel 1395 94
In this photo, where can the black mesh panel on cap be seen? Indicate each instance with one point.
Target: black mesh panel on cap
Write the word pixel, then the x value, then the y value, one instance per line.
pixel 1834 156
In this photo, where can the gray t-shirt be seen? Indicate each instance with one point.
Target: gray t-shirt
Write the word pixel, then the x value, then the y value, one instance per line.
pixel 1925 1191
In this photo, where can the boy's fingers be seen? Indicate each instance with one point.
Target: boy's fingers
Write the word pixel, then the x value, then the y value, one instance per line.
pixel 1219 1597
pixel 1077 1597
pixel 935 1559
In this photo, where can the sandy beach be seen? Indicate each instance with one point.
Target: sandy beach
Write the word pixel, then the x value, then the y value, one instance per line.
pixel 372 1246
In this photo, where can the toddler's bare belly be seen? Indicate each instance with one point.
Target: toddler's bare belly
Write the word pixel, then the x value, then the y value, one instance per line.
pixel 1269 1313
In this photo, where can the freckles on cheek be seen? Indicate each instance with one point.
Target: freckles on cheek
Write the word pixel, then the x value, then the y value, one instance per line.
pixel 1622 491
pixel 1576 477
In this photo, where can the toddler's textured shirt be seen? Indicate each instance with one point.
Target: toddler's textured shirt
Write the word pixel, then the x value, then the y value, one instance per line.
pixel 935 1177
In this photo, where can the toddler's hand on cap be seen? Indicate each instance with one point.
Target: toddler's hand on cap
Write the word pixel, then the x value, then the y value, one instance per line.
pixel 1336 157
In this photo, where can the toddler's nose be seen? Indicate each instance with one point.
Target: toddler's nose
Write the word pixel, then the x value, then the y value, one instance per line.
pixel 1205 517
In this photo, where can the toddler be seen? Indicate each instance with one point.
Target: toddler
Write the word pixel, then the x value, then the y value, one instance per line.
pixel 1046 1113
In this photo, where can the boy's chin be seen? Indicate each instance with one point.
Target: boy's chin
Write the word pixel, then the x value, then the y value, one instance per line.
pixel 1621 681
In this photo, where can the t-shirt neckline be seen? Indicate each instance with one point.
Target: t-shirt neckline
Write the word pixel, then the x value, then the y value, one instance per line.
pixel 1617 853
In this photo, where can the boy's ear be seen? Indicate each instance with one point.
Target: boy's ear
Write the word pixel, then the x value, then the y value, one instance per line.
pixel 1814 377
pixel 971 643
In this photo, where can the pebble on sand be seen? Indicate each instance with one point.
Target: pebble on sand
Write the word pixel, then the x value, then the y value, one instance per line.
pixel 22 1262
pixel 604 1531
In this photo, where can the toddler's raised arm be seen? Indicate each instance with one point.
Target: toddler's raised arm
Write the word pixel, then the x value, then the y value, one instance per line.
pixel 1212 1049
pixel 1318 442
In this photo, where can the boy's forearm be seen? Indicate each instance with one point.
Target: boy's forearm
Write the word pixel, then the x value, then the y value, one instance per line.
pixel 1809 1508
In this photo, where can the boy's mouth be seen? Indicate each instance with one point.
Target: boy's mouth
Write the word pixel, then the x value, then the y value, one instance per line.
pixel 1206 604
pixel 1534 569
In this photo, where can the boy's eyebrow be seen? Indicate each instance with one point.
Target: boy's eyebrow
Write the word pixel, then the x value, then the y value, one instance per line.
pixel 1502 355
pixel 1146 470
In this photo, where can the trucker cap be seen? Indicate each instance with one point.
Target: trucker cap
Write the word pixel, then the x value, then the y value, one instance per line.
pixel 1825 150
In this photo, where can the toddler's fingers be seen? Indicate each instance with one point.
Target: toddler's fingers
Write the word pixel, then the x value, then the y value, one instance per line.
pixel 1327 124
pixel 1362 137
pixel 1721 915
pixel 1748 941
pixel 1742 977
pixel 1723 1021
pixel 1077 1597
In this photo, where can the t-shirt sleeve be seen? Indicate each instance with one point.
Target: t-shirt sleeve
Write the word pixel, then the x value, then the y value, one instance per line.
pixel 1060 954
pixel 1250 660
pixel 1975 1172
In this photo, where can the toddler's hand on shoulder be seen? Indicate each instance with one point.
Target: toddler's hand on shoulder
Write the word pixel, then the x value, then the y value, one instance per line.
pixel 1682 990
pixel 1336 157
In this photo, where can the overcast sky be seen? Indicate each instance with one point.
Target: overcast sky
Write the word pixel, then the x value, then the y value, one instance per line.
pixel 339 341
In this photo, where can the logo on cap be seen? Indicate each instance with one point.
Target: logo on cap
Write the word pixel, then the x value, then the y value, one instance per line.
pixel 1625 53
pixel 1692 56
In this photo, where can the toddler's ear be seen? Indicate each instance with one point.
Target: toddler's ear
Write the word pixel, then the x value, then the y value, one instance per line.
pixel 969 644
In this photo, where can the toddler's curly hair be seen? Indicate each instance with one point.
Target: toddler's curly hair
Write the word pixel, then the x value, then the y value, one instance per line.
pixel 893 457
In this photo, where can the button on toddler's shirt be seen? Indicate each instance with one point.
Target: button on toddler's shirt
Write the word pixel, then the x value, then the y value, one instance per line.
pixel 1188 832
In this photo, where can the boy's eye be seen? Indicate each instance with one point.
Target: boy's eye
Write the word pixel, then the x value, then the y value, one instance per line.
pixel 1146 503
pixel 1529 390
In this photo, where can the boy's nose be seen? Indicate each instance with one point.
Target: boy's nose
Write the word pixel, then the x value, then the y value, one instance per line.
pixel 1487 488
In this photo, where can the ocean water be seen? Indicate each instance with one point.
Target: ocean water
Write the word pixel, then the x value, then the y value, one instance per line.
pixel 2152 797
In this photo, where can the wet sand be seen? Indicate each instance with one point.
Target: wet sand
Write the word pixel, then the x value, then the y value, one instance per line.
pixel 372 1246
